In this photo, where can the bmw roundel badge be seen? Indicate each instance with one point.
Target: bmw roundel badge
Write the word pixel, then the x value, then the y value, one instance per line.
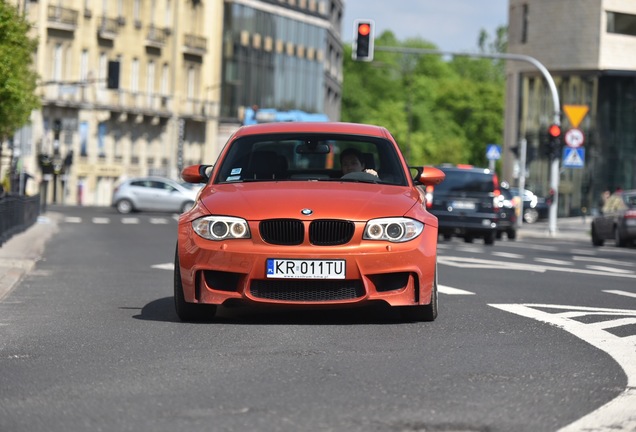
pixel 306 211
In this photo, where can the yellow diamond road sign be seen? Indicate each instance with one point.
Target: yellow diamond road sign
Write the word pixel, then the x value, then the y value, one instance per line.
pixel 575 113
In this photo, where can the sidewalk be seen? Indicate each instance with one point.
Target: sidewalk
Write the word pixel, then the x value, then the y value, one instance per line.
pixel 20 253
pixel 573 228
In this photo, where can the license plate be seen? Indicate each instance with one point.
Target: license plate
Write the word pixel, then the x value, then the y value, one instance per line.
pixel 463 205
pixel 305 269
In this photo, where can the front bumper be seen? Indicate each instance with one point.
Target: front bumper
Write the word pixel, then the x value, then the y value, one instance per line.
pixel 399 274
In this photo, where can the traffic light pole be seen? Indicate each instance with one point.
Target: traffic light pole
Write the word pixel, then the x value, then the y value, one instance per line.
pixel 554 167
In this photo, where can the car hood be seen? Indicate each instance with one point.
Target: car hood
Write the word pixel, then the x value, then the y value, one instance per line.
pixel 326 200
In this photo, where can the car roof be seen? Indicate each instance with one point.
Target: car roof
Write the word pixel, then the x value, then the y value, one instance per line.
pixel 464 168
pixel 313 127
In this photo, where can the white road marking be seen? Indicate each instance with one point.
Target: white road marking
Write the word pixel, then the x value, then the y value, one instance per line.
pixel 609 269
pixel 453 291
pixel 508 255
pixel 166 266
pixel 619 413
pixel 619 292
pixel 158 221
pixel 462 262
pixel 603 261
pixel 73 219
pixel 553 261
pixel 101 220
pixel 534 247
pixel 583 252
pixel 130 220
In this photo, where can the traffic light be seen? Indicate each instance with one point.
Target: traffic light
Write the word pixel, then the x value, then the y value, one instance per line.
pixel 554 141
pixel 363 40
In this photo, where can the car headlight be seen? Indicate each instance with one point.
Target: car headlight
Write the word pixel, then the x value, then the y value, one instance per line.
pixel 221 228
pixel 393 229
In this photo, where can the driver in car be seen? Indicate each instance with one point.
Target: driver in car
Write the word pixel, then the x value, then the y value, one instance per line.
pixel 351 160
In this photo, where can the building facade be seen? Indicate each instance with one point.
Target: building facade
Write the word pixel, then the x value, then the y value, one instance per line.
pixel 161 116
pixel 589 48
pixel 185 70
pixel 282 54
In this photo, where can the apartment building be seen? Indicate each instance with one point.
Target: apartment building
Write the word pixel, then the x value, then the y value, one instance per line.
pixel 589 48
pixel 186 69
pixel 163 114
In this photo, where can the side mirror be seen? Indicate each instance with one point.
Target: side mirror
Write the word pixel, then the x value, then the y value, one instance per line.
pixel 196 173
pixel 429 176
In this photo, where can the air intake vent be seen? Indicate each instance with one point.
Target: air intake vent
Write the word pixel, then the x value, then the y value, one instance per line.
pixel 314 291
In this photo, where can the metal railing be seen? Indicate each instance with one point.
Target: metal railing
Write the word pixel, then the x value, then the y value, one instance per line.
pixel 17 213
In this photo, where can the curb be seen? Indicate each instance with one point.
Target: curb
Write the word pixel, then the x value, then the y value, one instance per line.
pixel 20 253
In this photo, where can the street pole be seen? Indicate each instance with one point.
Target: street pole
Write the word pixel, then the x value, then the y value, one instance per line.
pixel 554 169
pixel 523 146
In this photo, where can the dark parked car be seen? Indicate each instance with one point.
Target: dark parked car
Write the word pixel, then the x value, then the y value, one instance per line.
pixel 466 203
pixel 618 220
pixel 534 207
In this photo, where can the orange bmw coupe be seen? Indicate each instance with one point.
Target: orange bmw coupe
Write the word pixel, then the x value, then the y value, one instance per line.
pixel 308 214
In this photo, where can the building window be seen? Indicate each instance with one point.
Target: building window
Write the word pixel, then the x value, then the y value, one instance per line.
pixel 84 65
pixel 165 76
pixel 150 84
pixel 57 62
pixel 103 67
pixel 134 76
pixel 524 24
pixel 621 23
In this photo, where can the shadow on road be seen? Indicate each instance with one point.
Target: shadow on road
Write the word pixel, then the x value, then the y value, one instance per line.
pixel 163 310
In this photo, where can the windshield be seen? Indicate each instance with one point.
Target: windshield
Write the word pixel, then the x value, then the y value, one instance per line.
pixel 311 157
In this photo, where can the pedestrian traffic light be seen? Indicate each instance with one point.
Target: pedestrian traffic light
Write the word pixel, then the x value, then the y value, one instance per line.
pixel 554 141
pixel 363 40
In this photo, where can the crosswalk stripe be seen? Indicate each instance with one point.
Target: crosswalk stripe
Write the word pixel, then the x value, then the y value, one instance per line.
pixel 131 220
pixel 101 220
pixel 453 291
pixel 73 219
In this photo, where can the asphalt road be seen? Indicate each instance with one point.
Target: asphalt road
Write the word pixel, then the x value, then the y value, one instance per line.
pixel 533 335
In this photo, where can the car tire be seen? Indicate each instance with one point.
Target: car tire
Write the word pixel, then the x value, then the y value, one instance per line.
pixel 124 206
pixel 499 235
pixel 186 206
pixel 489 239
pixel 422 313
pixel 468 238
pixel 512 234
pixel 530 216
pixel 188 312
pixel 618 238
pixel 596 240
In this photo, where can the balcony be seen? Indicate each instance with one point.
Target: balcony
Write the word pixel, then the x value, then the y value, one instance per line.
pixel 195 45
pixel 156 37
pixel 61 18
pixel 108 28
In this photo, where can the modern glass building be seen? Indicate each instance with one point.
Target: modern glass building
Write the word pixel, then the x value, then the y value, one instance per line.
pixel 285 55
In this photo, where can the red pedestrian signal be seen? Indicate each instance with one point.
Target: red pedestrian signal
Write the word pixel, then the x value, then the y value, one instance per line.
pixel 363 40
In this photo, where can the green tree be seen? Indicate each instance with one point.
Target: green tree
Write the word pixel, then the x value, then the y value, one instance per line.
pixel 438 110
pixel 17 78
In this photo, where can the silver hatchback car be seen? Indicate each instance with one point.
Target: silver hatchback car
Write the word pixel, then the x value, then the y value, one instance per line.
pixel 154 194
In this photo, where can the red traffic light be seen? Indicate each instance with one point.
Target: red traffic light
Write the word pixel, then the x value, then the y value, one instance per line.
pixel 364 29
pixel 554 131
